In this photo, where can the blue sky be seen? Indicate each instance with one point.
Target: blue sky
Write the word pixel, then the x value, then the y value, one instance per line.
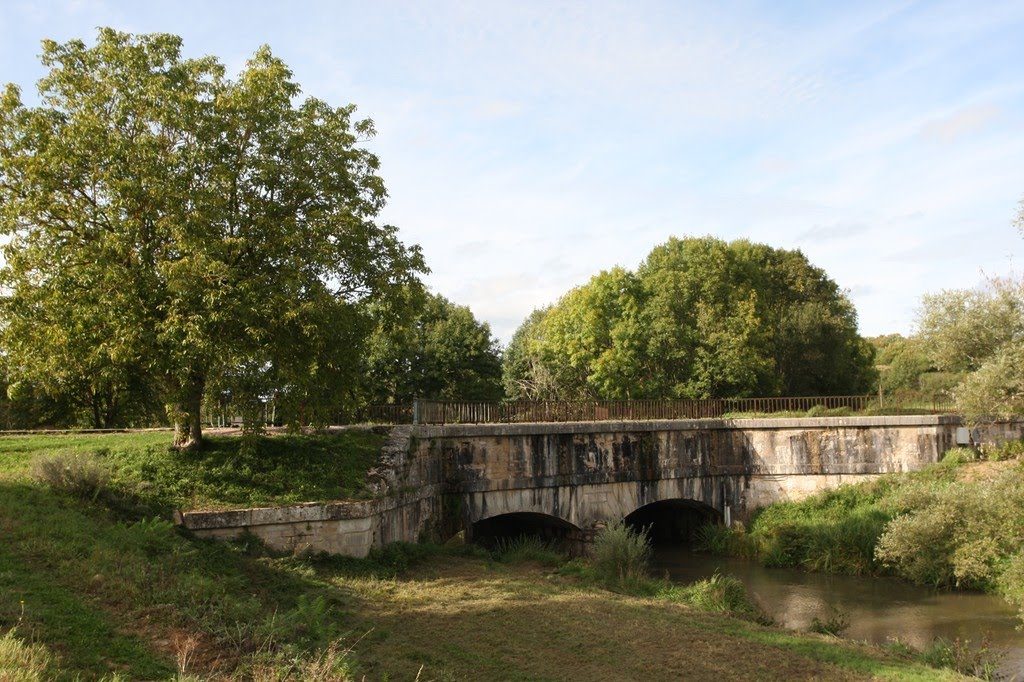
pixel 527 146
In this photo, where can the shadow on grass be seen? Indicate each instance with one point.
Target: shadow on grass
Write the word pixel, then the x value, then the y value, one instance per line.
pixel 110 595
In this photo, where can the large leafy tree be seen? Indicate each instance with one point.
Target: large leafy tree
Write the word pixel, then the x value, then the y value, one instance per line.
pixel 439 351
pixel 168 222
pixel 699 318
pixel 979 333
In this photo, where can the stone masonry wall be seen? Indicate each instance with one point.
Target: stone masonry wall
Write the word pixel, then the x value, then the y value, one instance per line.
pixel 435 480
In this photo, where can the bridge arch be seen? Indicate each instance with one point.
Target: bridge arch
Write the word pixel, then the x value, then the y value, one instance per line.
pixel 673 521
pixel 492 531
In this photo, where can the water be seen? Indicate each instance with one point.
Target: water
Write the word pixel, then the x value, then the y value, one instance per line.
pixel 879 609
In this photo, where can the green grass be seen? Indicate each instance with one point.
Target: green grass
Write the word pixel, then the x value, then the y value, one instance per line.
pixel 227 472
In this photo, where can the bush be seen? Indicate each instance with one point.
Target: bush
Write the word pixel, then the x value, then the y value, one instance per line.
pixel 82 474
pixel 958 456
pixel 622 554
pixel 1011 449
pixel 1011 582
pixel 964 657
pixel 959 534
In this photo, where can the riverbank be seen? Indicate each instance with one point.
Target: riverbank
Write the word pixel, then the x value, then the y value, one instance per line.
pixel 96 584
pixel 958 524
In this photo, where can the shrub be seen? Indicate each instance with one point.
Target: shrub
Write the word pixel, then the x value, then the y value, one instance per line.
pixel 621 554
pixel 964 657
pixel 82 474
pixel 1011 449
pixel 1011 582
pixel 958 456
pixel 960 534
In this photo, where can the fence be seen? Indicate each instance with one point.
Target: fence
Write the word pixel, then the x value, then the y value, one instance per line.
pixel 449 412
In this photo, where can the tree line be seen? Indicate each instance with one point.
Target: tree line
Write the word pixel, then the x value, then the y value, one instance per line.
pixel 176 237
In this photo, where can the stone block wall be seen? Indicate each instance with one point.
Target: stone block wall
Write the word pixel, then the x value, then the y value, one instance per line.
pixel 431 481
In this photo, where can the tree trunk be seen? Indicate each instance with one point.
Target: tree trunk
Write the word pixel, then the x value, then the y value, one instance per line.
pixel 186 414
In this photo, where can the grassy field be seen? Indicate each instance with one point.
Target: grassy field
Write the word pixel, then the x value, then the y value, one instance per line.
pixel 93 588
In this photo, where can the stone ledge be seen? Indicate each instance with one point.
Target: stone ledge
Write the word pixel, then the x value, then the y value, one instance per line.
pixel 300 513
pixel 557 428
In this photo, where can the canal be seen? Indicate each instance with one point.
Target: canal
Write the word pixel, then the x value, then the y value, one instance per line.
pixel 878 609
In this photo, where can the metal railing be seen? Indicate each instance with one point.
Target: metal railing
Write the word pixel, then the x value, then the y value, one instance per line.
pixel 456 412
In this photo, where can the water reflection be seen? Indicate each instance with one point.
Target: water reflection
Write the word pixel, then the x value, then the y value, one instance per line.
pixel 879 609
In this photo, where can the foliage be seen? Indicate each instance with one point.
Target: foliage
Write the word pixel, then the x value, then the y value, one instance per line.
pixel 440 352
pixel 833 532
pixel 82 474
pixel 527 548
pixel 929 527
pixel 957 534
pixel 169 224
pixel 907 372
pixel 523 372
pixel 979 332
pixel 699 318
pixel 721 594
pixel 621 554
pixel 961 655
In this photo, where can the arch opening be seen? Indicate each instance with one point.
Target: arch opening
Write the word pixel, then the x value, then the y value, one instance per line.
pixel 673 522
pixel 557 533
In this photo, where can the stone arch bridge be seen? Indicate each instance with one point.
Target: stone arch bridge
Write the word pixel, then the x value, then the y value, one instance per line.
pixel 485 479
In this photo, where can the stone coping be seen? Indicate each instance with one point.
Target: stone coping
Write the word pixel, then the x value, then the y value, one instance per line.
pixel 554 428
pixel 307 512
pixel 259 516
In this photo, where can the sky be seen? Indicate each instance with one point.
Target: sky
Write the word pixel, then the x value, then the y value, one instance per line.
pixel 528 145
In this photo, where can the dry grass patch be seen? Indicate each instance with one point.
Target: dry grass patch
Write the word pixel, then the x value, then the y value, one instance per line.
pixel 460 620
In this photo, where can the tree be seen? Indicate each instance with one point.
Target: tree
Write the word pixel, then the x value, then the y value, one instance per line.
pixel 979 333
pixel 170 223
pixel 441 352
pixel 524 374
pixel 699 318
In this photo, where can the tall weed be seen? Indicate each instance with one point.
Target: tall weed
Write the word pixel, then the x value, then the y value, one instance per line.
pixel 23 662
pixel 527 548
pixel 977 660
pixel 621 554
pixel 82 474
pixel 721 594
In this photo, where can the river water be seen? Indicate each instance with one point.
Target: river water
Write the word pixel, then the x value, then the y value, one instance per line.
pixel 879 609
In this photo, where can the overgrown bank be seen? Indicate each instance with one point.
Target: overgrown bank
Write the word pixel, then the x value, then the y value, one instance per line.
pixel 958 524
pixel 93 586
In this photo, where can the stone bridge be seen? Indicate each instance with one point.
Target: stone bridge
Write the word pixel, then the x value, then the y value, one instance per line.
pixel 565 480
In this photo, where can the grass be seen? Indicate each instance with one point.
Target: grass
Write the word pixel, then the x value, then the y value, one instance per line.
pixel 89 591
pixel 527 548
pixel 229 472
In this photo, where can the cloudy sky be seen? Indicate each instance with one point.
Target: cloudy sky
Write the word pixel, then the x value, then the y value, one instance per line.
pixel 528 145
